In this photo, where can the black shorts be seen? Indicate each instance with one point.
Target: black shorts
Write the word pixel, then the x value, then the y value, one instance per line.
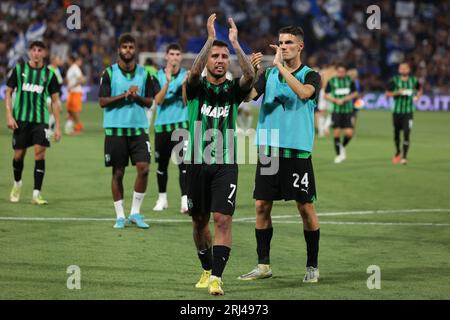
pixel 211 188
pixel 118 150
pixel 164 146
pixel 403 121
pixel 28 134
pixel 341 120
pixel 294 180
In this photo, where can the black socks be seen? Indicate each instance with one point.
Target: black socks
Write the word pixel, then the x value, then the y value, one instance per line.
pixel 39 171
pixel 17 168
pixel 205 257
pixel 312 247
pixel 263 238
pixel 220 258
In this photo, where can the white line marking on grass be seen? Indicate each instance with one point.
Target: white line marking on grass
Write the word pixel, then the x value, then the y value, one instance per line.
pixel 419 224
pixel 382 212
pixel 275 217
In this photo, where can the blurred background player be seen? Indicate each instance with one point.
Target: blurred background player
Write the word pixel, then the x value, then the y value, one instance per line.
pixel 126 90
pixel 341 91
pixel 151 67
pixel 406 90
pixel 55 63
pixel 323 110
pixel 74 79
pixel 28 119
pixel 358 103
pixel 171 114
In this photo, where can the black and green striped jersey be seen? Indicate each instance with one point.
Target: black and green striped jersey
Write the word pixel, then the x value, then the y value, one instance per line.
pixel 212 113
pixel 284 152
pixel 33 85
pixel 171 126
pixel 408 88
pixel 125 132
pixel 340 88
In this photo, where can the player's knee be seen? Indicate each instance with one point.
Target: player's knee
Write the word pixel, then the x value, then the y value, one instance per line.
pixel 263 208
pixel 143 171
pixel 39 154
pixel 222 222
pixel 118 174
pixel 199 223
pixel 306 209
pixel 19 155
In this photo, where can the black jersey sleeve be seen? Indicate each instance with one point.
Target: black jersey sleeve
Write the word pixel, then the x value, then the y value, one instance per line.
pixel 12 78
pixel 352 86
pixel 418 86
pixel 239 92
pixel 260 85
pixel 53 86
pixel 328 88
pixel 391 86
pixel 105 85
pixel 152 86
pixel 313 78
pixel 192 90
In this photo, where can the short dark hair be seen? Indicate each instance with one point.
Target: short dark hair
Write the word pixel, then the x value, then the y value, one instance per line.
pixel 37 43
pixel 173 46
pixel 296 31
pixel 220 43
pixel 341 65
pixel 126 38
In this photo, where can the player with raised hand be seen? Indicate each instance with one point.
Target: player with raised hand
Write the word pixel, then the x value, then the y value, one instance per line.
pixel 171 115
pixel 211 156
pixel 290 91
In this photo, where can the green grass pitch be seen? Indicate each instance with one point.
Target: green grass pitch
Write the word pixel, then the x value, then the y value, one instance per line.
pixel 395 217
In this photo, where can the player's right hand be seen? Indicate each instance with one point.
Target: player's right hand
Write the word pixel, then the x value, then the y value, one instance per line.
pixel 12 124
pixel 278 59
pixel 210 26
pixel 169 68
pixel 57 135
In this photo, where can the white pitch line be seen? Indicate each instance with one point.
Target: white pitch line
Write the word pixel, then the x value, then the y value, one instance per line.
pixel 275 217
pixel 419 224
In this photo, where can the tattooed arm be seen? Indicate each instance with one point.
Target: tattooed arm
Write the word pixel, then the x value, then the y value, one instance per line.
pixel 248 71
pixel 201 59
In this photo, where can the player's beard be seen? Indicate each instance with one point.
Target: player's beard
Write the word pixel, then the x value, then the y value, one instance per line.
pixel 125 59
pixel 217 75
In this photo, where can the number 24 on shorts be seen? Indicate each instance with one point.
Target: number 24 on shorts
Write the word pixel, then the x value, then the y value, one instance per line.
pixel 304 180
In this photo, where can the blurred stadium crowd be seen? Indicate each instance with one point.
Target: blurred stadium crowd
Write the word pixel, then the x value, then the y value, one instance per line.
pixel 335 32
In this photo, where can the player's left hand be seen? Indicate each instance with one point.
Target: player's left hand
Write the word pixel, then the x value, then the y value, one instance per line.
pixel 133 90
pixel 256 59
pixel 233 31
pixel 278 60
